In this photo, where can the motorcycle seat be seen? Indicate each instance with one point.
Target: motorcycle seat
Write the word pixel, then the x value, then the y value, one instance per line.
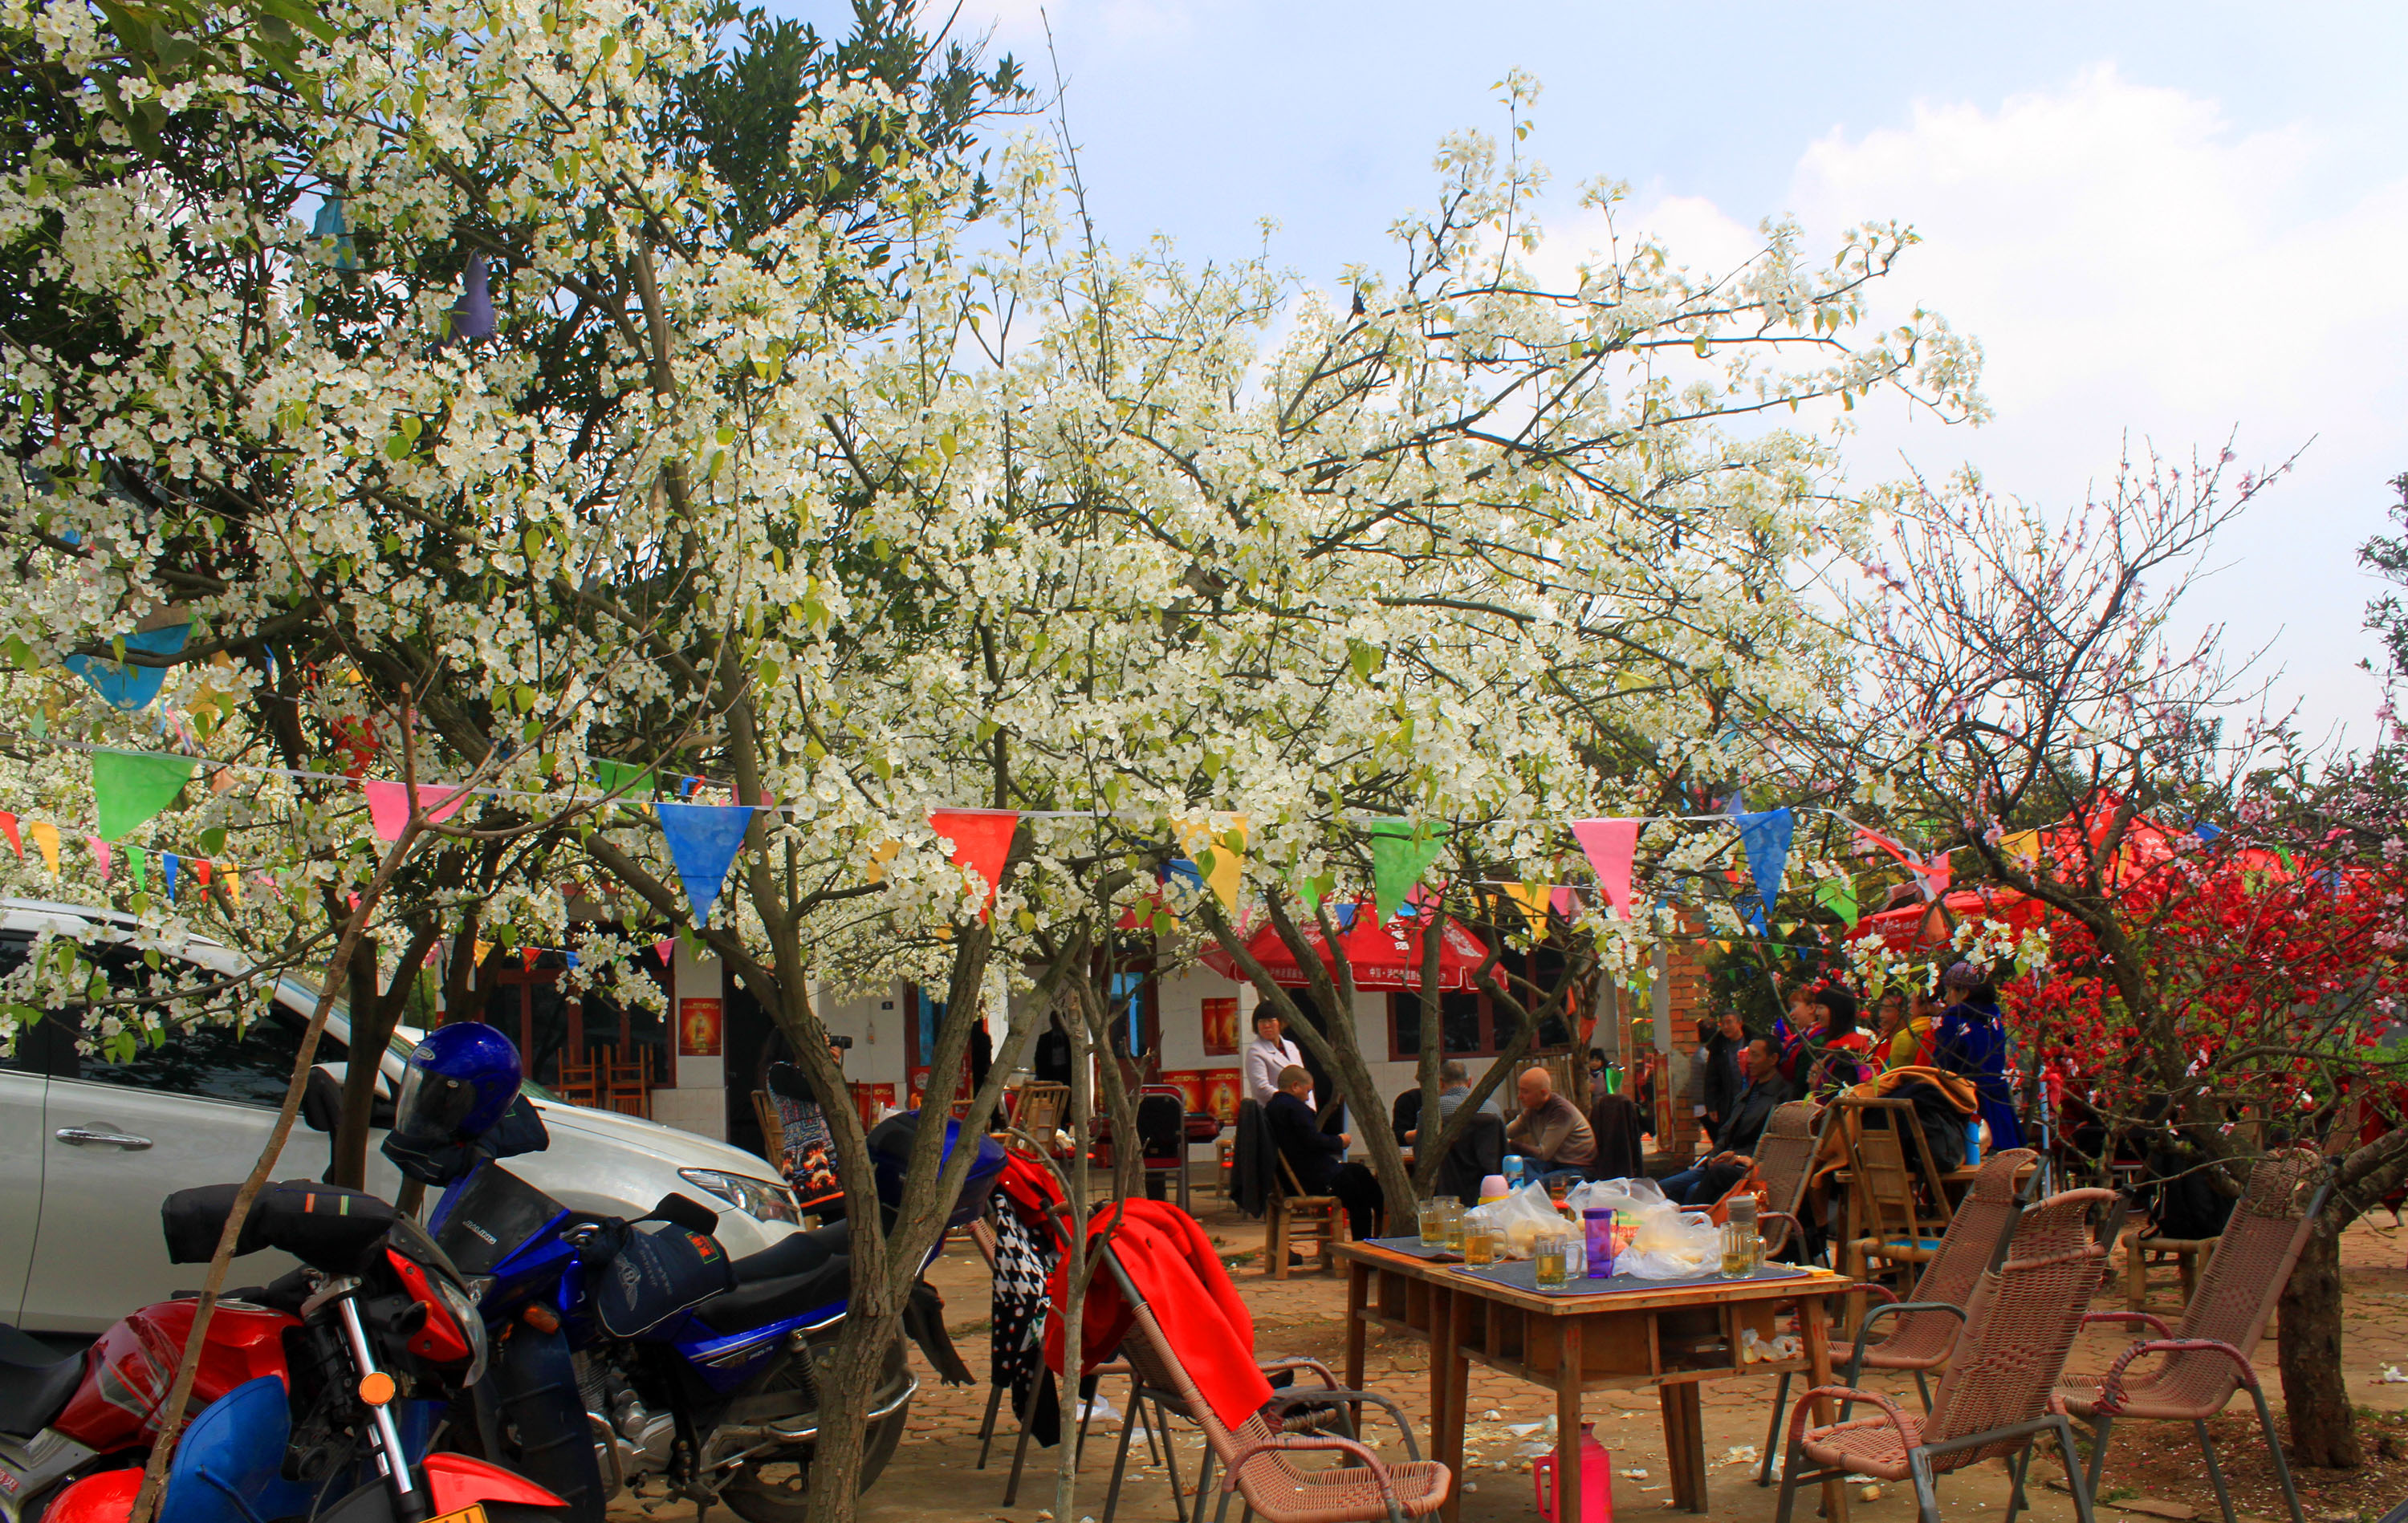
pixel 749 1307
pixel 35 1383
pixel 798 1253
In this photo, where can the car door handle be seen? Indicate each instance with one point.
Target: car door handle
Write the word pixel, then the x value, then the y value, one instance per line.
pixel 79 1135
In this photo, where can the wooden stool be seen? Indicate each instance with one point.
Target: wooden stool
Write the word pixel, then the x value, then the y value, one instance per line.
pixel 2140 1252
pixel 1225 1170
pixel 1293 1217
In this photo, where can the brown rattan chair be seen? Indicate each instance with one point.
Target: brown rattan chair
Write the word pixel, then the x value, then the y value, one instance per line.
pixel 1924 1326
pixel 2203 1362
pixel 1256 1456
pixel 1997 1394
pixel 1785 1164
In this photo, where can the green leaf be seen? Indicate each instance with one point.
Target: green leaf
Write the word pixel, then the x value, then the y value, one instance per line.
pixel 214 840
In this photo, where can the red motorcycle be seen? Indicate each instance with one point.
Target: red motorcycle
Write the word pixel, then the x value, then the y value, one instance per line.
pixel 317 1397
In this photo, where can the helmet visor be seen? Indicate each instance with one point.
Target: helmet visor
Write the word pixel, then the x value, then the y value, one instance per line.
pixel 432 1107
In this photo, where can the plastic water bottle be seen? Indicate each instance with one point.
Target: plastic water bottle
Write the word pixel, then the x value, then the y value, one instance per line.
pixel 1512 1171
pixel 1972 1143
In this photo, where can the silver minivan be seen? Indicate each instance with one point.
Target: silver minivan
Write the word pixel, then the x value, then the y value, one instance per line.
pixel 89 1147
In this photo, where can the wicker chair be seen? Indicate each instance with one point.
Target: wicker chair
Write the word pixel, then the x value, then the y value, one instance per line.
pixel 2201 1363
pixel 1925 1328
pixel 1996 1395
pixel 1256 1457
pixel 1784 1162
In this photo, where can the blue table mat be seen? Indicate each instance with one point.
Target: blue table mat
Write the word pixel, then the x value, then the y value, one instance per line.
pixel 1411 1248
pixel 1521 1274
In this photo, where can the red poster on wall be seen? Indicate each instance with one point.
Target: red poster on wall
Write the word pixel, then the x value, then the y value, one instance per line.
pixel 1190 1083
pixel 699 1025
pixel 1221 1026
pixel 1221 1094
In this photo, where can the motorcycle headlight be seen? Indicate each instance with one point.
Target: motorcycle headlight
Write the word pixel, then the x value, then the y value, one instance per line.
pixel 763 1199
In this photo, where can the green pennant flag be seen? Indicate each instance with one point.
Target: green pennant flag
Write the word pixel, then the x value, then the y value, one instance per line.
pixel 137 863
pixel 127 790
pixel 1402 851
pixel 1839 896
pixel 631 782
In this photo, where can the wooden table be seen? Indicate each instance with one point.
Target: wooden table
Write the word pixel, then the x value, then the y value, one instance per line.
pixel 1669 1337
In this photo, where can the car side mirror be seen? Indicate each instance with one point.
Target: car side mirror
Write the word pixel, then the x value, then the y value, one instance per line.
pixel 686 1211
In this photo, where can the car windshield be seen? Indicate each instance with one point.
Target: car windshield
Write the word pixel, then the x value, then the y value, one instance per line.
pixel 303 996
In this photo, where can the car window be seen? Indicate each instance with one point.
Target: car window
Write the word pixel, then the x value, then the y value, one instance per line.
pixel 249 1064
pixel 41 1047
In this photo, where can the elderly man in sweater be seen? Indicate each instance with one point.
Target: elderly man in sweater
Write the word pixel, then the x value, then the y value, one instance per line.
pixel 1549 1130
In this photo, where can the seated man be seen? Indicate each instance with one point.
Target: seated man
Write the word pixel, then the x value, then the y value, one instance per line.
pixel 1706 1182
pixel 1318 1157
pixel 1455 1087
pixel 1550 1131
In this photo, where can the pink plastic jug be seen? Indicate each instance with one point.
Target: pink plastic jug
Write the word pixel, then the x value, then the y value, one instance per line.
pixel 1597 1482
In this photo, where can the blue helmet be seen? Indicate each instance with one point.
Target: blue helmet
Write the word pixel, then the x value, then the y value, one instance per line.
pixel 461 1080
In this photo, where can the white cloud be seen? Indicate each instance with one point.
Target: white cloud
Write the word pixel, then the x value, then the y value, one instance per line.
pixel 2132 266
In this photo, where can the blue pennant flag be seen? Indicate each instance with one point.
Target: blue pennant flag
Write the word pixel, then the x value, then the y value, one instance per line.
pixel 1765 837
pixel 127 687
pixel 167 865
pixel 2204 831
pixel 703 839
pixel 1181 869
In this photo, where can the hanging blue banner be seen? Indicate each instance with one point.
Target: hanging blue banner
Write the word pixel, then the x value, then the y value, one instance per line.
pixel 1765 837
pixel 703 839
pixel 127 687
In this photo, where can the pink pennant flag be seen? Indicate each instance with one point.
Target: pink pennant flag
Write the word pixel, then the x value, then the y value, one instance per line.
pixel 1935 875
pixel 101 854
pixel 663 949
pixel 1611 845
pixel 388 805
pixel 1877 838
pixel 1565 902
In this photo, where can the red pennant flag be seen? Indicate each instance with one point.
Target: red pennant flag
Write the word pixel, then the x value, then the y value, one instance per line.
pixel 527 958
pixel 200 872
pixel 981 840
pixel 8 823
pixel 1611 845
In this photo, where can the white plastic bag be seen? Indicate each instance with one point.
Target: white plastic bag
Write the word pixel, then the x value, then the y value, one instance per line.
pixel 1521 1216
pixel 1672 1244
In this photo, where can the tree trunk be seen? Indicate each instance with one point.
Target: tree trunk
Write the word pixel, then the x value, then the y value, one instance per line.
pixel 2315 1401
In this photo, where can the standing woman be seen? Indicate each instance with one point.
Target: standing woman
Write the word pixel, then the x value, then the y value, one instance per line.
pixel 1971 1040
pixel 1721 1057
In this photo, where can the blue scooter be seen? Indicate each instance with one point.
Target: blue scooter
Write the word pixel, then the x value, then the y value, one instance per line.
pixel 630 1352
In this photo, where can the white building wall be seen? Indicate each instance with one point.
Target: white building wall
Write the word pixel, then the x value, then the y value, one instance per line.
pixel 875 1021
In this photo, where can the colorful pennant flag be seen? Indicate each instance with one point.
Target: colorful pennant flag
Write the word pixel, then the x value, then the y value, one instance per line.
pixel 1220 856
pixel 1402 851
pixel 2023 847
pixel 634 784
pixel 234 884
pixel 125 686
pixel 1839 896
pixel 128 790
pixel 472 317
pixel 1765 837
pixel 1532 898
pixel 981 842
pixel 702 840
pixel 331 223
pixel 100 854
pixel 1610 846
pixel 137 867
pixel 1565 902
pixel 15 843
pixel 46 835
pixel 169 862
pixel 1934 875
pixel 389 805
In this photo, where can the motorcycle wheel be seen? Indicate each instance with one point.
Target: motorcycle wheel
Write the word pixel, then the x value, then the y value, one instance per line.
pixel 776 1488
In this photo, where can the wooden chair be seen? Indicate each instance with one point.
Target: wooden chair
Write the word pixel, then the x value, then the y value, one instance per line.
pixel 628 1087
pixel 1042 1106
pixel 2143 1252
pixel 1294 1217
pixel 773 1131
pixel 579 1084
pixel 1898 1207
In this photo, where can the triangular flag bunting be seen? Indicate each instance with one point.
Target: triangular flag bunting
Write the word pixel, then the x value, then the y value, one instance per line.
pixel 1220 856
pixel 1765 837
pixel 1532 898
pixel 702 840
pixel 15 843
pixel 634 784
pixel 981 841
pixel 388 805
pixel 125 686
pixel 1565 902
pixel 167 865
pixel 1610 846
pixel 1839 896
pixel 127 790
pixel 100 853
pixel 234 884
pixel 1402 851
pixel 2024 845
pixel 665 949
pixel 138 866
pixel 46 835
pixel 201 872
pixel 1934 875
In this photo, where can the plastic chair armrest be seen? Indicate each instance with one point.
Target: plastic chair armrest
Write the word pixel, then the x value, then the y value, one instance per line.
pixel 2150 1319
pixel 2110 1389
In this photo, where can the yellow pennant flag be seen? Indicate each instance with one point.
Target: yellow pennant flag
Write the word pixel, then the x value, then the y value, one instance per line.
pixel 1219 853
pixel 1532 898
pixel 879 855
pixel 233 881
pixel 2023 845
pixel 46 835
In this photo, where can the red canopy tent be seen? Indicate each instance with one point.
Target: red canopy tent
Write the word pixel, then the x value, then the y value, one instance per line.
pixel 1912 928
pixel 1384 957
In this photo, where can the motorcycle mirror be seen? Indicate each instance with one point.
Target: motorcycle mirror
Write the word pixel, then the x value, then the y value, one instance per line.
pixel 686 1211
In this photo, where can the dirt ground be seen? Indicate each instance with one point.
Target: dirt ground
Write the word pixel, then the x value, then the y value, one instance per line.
pixel 2153 1469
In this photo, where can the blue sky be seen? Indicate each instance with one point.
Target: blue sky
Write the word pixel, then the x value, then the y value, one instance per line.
pixel 2163 222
